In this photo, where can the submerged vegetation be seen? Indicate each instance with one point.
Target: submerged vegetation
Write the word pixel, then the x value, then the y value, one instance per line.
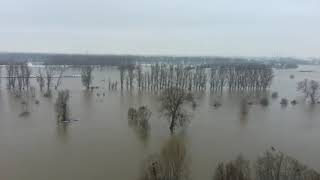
pixel 311 90
pixel 238 169
pixel 172 163
pixel 86 76
pixel 175 86
pixel 139 118
pixel 61 106
pixel 271 165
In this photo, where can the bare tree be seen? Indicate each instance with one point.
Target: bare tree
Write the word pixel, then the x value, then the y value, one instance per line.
pixel 61 106
pixel 86 76
pixel 132 116
pixel 172 101
pixel 11 78
pixel 61 70
pixel 122 74
pixel 144 115
pixel 310 88
pixel 26 73
pixel 40 80
pixel 49 70
pixel 139 118
pixel 139 76
pixel 130 69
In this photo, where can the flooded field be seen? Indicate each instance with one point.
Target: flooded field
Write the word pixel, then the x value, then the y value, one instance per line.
pixel 101 144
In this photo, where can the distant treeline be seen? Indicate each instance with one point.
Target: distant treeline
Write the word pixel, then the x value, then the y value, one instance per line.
pixel 108 60
pixel 115 60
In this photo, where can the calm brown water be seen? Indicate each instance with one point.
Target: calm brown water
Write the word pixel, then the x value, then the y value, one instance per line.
pixel 101 145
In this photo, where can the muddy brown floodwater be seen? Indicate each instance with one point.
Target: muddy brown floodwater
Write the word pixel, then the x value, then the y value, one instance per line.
pixel 101 145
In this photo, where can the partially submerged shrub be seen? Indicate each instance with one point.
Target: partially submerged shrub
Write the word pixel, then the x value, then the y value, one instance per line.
pixel 233 170
pixel 61 106
pixel 274 164
pixel 294 102
pixel 132 116
pixel 144 115
pixel 216 104
pixel 170 164
pixel 284 102
pixel 139 118
pixel 264 101
pixel 274 95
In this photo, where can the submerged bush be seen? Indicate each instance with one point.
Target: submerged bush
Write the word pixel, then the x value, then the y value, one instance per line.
pixel 233 170
pixel 294 102
pixel 139 118
pixel 264 101
pixel 274 95
pixel 61 106
pixel 144 115
pixel 284 101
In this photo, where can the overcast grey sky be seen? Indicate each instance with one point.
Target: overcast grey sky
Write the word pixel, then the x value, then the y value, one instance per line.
pixel 169 27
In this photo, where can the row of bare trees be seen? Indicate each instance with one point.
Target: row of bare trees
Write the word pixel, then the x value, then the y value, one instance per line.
pixel 45 78
pixel 19 75
pixel 162 76
pixel 310 88
pixel 241 77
